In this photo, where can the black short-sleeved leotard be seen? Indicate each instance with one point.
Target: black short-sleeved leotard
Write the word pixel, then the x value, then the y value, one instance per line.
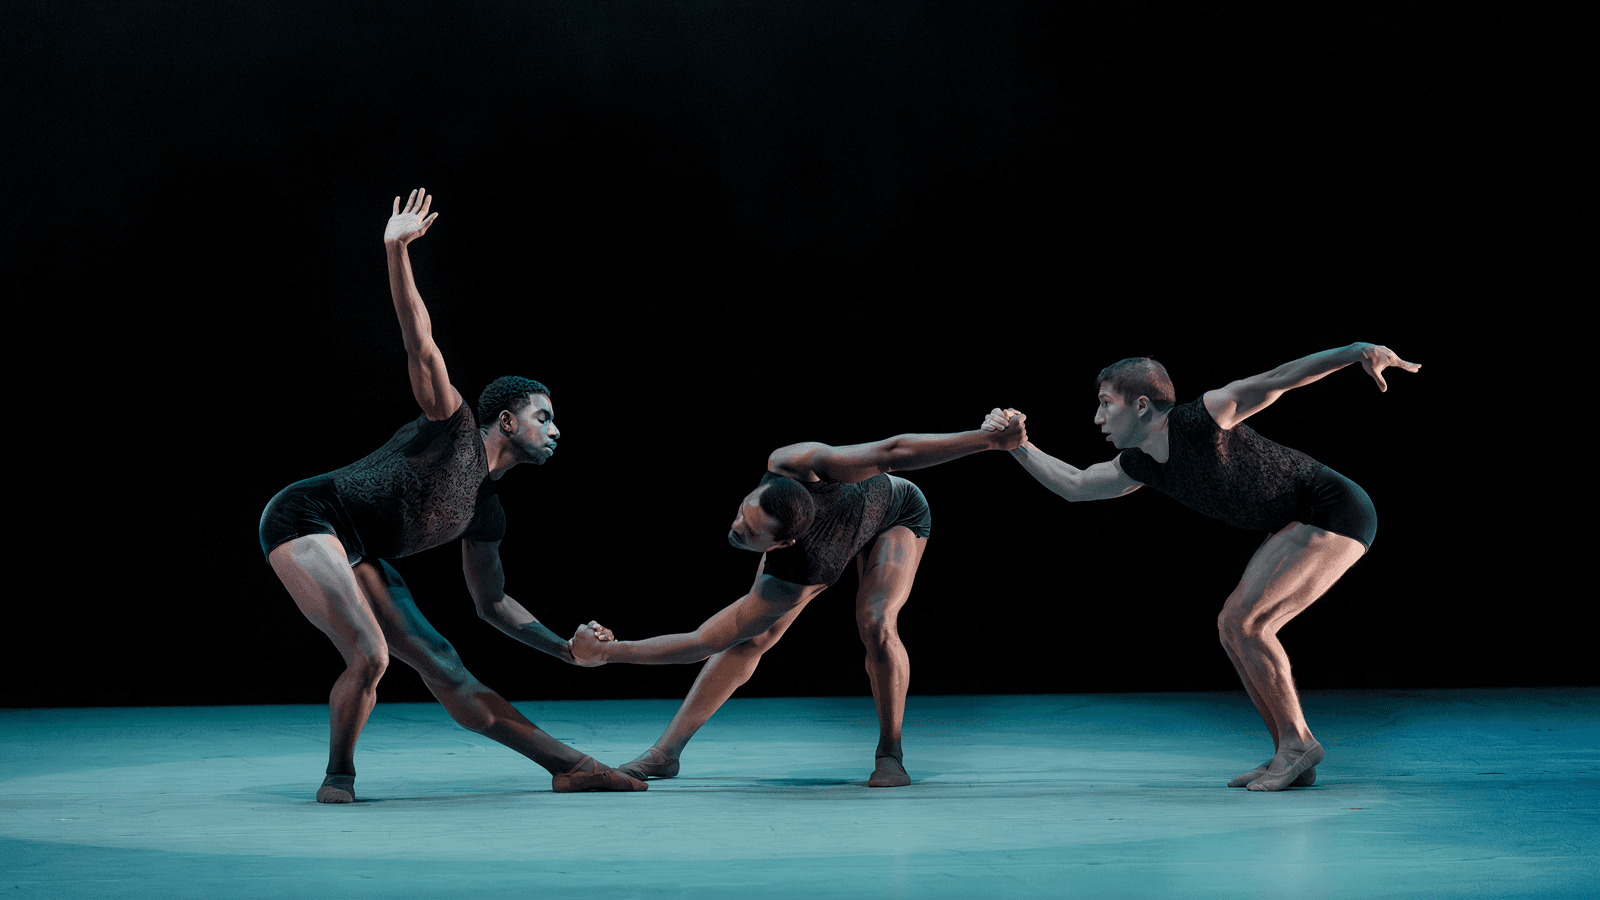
pixel 848 516
pixel 427 486
pixel 1236 475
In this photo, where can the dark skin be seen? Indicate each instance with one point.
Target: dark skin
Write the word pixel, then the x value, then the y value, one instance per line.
pixel 734 639
pixel 367 610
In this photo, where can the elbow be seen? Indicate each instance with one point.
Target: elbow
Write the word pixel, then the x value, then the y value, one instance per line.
pixel 487 610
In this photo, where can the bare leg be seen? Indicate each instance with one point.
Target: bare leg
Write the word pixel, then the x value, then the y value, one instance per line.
pixel 413 640
pixel 317 573
pixel 1288 573
pixel 887 569
pixel 721 675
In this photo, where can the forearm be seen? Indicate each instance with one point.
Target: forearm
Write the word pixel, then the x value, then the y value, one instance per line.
pixel 662 650
pixel 1060 477
pixel 415 326
pixel 512 618
pixel 1312 368
pixel 919 451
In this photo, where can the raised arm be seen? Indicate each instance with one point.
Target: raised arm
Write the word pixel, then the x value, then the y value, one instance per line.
pixel 769 599
pixel 1242 399
pixel 430 383
pixel 858 462
pixel 486 581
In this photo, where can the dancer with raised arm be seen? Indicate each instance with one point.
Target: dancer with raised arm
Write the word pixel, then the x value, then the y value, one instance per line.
pixel 817 508
pixel 1319 523
pixel 328 537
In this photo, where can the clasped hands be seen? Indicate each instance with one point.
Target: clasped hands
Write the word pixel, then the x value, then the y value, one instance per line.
pixel 1002 419
pixel 586 644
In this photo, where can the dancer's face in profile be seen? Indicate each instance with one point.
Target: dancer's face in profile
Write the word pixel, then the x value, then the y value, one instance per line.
pixel 1118 419
pixel 753 528
pixel 536 432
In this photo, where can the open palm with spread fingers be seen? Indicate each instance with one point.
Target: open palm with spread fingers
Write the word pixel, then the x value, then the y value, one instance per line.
pixel 1375 359
pixel 406 225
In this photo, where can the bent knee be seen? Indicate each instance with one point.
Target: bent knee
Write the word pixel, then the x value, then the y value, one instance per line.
pixel 368 665
pixel 1237 626
pixel 878 634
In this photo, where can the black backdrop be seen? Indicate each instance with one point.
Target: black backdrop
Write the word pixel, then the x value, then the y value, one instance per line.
pixel 716 228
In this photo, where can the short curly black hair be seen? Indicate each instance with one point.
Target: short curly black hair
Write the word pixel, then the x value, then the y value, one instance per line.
pixel 507 392
pixel 790 506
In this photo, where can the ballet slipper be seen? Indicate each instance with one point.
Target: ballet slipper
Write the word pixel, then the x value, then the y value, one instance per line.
pixel 1278 781
pixel 337 789
pixel 588 775
pixel 888 773
pixel 653 763
pixel 1306 779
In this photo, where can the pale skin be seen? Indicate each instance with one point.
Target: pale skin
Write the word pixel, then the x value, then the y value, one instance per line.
pixel 1289 572
pixel 367 610
pixel 734 639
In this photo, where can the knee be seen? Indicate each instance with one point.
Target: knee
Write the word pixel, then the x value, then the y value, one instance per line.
pixel 478 717
pixel 1236 626
pixel 367 665
pixel 878 635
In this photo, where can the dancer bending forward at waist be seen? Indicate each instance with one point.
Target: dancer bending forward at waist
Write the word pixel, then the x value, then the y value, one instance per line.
pixel 816 508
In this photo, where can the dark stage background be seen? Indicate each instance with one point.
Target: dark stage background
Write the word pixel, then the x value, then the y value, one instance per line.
pixel 717 228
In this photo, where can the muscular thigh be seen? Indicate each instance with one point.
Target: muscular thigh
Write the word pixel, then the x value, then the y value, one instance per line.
pixel 317 574
pixel 887 568
pixel 1288 573
pixel 412 638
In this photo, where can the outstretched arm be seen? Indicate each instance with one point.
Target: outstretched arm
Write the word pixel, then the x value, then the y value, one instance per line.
pixel 769 599
pixel 858 462
pixel 430 383
pixel 486 581
pixel 1101 481
pixel 1244 398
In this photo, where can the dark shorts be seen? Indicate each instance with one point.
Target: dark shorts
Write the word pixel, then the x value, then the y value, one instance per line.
pixel 908 507
pixel 308 507
pixel 1334 503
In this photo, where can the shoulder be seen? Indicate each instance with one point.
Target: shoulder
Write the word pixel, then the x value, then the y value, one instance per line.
pixel 1135 464
pixel 778 590
pixel 458 418
pixel 799 461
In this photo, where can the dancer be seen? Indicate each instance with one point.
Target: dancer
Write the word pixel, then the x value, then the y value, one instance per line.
pixel 433 482
pixel 816 508
pixel 1318 521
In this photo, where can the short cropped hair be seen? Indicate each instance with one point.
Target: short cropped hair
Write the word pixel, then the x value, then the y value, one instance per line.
pixel 507 392
pixel 1139 376
pixel 790 506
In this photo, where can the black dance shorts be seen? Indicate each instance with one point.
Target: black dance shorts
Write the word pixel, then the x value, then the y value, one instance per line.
pixel 1334 503
pixel 308 507
pixel 908 507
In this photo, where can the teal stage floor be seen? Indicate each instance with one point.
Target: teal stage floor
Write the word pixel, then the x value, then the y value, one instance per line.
pixel 1474 793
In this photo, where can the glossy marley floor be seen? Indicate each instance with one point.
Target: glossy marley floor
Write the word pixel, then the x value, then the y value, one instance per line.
pixel 1477 793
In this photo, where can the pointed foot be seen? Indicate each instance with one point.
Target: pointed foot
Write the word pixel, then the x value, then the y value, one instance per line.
pixel 588 775
pixel 652 763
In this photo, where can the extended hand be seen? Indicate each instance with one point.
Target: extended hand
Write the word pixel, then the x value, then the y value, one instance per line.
pixel 411 223
pixel 1375 359
pixel 1001 419
pixel 586 645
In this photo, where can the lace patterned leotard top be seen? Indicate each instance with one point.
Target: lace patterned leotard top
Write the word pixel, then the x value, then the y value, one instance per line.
pixel 1236 475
